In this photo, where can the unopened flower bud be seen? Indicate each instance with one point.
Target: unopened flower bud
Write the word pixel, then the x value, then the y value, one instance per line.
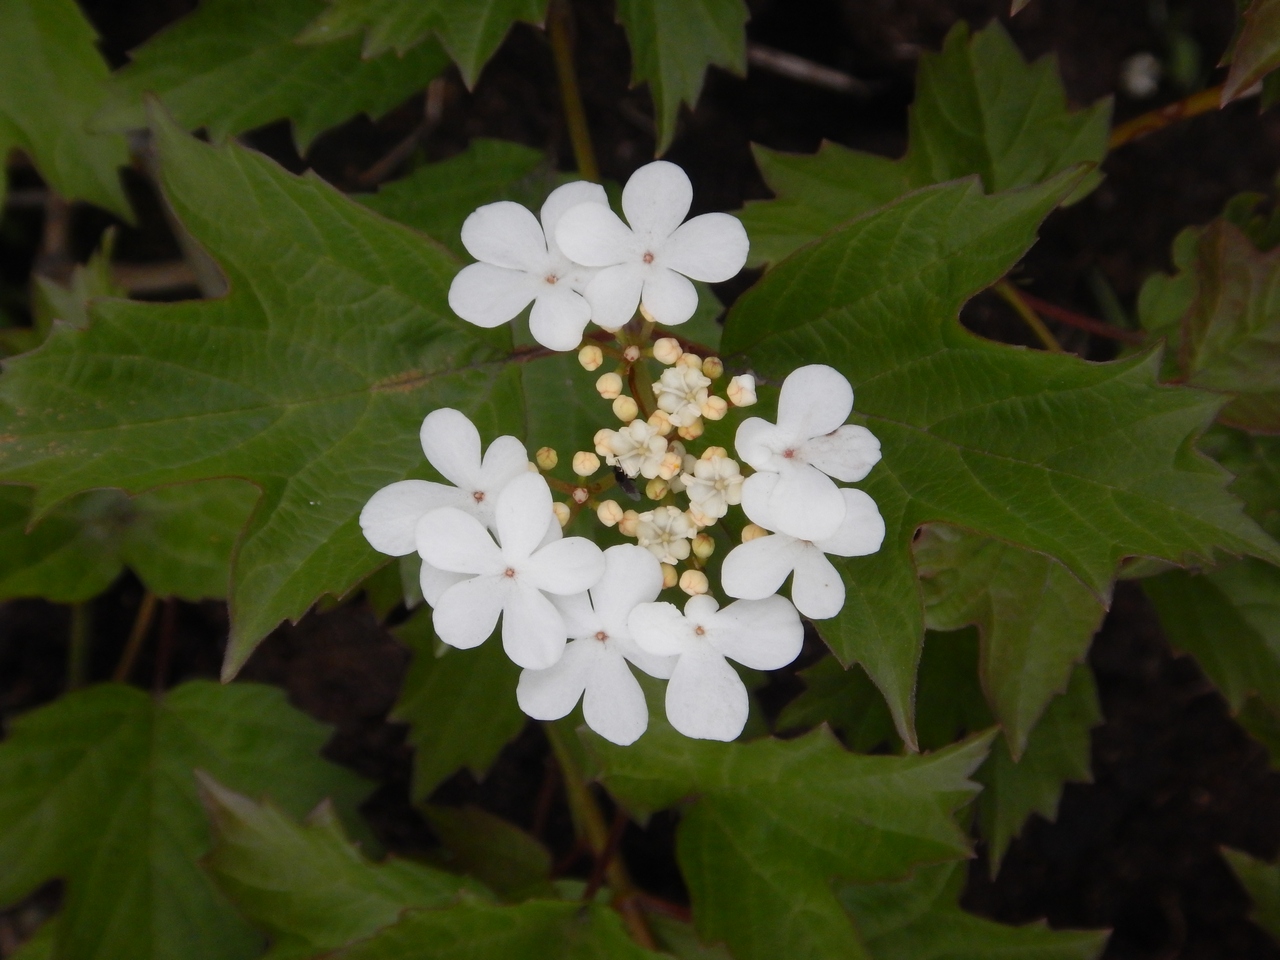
pixel 609 513
pixel 672 463
pixel 562 512
pixel 697 517
pixel 712 452
pixel 692 431
pixel 628 524
pixel 742 390
pixel 546 458
pixel 580 495
pixel 752 532
pixel 591 357
pixel 602 441
pixel 713 367
pixel 703 546
pixel 694 582
pixel 669 576
pixel 585 463
pixel 631 354
pixel 667 350
pixel 660 422
pixel 691 360
pixel 656 488
pixel 644 312
pixel 714 408
pixel 609 385
pixel 625 409
pixel 531 467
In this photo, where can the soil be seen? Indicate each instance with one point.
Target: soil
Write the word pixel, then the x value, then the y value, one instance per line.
pixel 1175 778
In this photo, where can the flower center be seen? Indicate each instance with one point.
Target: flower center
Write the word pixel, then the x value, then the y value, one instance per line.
pixel 478 496
pixel 601 636
pixel 648 257
pixel 700 631
pixel 551 278
pixel 789 454
pixel 509 572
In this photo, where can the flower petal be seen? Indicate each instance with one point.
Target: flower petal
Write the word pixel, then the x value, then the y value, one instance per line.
pixel 558 317
pixel 450 539
pixel 567 566
pixel 632 575
pixel 805 503
pixel 755 441
pixel 650 663
pixel 817 589
pixel 660 629
pixel 553 693
pixel 563 199
pixel 580 617
pixel 614 294
pixel 655 200
pixel 435 582
pixel 522 515
pixel 712 248
pixel 489 296
pixel 847 454
pixel 760 634
pixel 706 698
pixel 533 633
pixel 465 615
pixel 756 491
pixel 815 399
pixel 862 530
pixel 669 297
pixel 505 234
pixel 505 460
pixel 452 445
pixel 756 569
pixel 390 519
pixel 594 236
pixel 613 705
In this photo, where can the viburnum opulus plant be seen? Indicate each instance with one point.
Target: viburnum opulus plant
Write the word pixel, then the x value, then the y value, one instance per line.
pixel 572 617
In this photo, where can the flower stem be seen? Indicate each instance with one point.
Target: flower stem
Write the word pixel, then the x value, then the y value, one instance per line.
pixel 78 645
pixel 1013 297
pixel 1080 321
pixel 1139 127
pixel 141 624
pixel 559 27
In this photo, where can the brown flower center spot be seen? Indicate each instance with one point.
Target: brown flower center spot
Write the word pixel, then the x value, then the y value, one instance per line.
pixel 478 496
pixel 700 631
pixel 601 636
pixel 788 454
pixel 509 572
pixel 648 257
pixel 551 278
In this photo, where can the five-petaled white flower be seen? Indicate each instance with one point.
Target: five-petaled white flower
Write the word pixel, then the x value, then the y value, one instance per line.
pixel 649 261
pixel 666 532
pixel 714 485
pixel 705 696
pixel 637 449
pixel 810 444
pixel 680 393
pixel 520 261
pixel 510 578
pixel 452 445
pixel 594 666
pixel 757 568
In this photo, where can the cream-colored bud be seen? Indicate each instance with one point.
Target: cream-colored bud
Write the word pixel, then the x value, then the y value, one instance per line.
pixel 713 367
pixel 628 524
pixel 546 458
pixel 691 360
pixel 697 517
pixel 625 409
pixel 714 408
pixel 667 350
pixel 591 357
pixel 562 512
pixel 703 546
pixel 532 467
pixel 609 513
pixel 752 532
pixel 660 422
pixel 580 495
pixel 669 576
pixel 631 354
pixel 672 463
pixel 692 431
pixel 694 582
pixel 712 452
pixel 656 488
pixel 742 390
pixel 585 463
pixel 644 312
pixel 609 385
pixel 602 441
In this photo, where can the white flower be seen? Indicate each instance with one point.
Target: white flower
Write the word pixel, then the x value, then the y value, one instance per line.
pixel 681 392
pixel 648 262
pixel 594 666
pixel 810 444
pixel 666 532
pixel 637 448
pixel 705 697
pixel 519 262
pixel 714 485
pixel 756 568
pixel 452 445
pixel 511 579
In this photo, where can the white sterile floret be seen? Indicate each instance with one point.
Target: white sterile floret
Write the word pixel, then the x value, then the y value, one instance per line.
pixel 510 578
pixel 666 532
pixel 714 485
pixel 652 260
pixel 594 666
pixel 451 443
pixel 705 696
pixel 521 262
pixel 757 567
pixel 637 449
pixel 810 444
pixel 681 392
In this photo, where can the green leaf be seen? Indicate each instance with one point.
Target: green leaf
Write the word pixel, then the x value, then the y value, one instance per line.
pixel 1261 881
pixel 460 705
pixel 920 919
pixel 52 79
pixel 40 946
pixel 766 825
pixel 845 699
pixel 470 30
pixel 232 65
pixel 1255 461
pixel 493 850
pixel 672 44
pixel 979 109
pixel 52 301
pixel 99 789
pixel 1087 463
pixel 306 886
pixel 1035 619
pixel 1257 48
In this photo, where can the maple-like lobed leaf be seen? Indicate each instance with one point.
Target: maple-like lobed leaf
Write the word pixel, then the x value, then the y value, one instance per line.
pixel 1261 880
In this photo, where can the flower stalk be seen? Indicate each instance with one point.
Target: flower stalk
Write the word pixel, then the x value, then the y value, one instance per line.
pixel 559 32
